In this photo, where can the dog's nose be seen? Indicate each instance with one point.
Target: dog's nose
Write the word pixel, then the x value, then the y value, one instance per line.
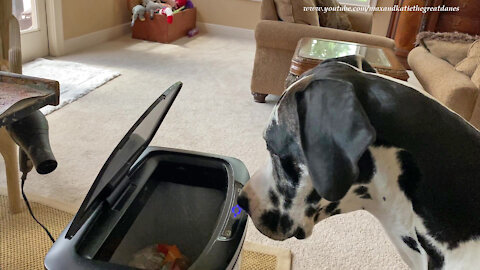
pixel 243 201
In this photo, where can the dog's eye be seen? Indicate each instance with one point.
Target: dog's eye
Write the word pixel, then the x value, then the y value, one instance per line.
pixel 290 168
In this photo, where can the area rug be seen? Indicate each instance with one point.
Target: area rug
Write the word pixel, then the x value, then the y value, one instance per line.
pixel 260 257
pixel 76 80
pixel 23 243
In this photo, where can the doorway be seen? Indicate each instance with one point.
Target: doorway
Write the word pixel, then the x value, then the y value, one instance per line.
pixel 31 15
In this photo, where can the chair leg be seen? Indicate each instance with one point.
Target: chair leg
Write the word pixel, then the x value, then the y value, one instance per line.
pixel 260 98
pixel 9 151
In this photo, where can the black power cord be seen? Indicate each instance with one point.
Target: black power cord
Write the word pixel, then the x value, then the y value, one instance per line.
pixel 24 177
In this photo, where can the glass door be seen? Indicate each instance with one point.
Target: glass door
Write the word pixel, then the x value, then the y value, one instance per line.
pixel 32 17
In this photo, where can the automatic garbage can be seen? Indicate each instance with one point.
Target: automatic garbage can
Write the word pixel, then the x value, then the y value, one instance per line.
pixel 146 195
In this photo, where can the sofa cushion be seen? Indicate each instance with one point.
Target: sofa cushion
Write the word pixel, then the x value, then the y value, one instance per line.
pixel 333 19
pixel 476 77
pixel 451 47
pixel 470 66
pixel 292 11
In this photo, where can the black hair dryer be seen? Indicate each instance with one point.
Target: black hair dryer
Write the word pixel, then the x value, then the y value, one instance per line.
pixel 31 134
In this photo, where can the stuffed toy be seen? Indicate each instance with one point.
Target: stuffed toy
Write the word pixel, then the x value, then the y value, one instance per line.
pixel 184 3
pixel 167 12
pixel 172 3
pixel 138 12
pixel 153 5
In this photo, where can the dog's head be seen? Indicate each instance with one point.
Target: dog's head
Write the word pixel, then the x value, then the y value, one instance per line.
pixel 316 135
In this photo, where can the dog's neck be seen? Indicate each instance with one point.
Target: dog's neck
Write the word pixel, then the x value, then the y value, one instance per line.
pixel 388 202
pixel 384 199
pixel 382 196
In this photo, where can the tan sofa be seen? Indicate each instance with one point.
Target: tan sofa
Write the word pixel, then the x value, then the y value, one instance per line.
pixel 276 42
pixel 452 88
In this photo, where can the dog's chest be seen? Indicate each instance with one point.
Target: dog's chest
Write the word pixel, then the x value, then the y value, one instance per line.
pixel 405 228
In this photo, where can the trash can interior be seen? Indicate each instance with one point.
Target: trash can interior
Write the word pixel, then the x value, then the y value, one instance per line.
pixel 179 204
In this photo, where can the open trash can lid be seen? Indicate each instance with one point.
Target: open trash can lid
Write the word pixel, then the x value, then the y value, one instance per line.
pixel 124 156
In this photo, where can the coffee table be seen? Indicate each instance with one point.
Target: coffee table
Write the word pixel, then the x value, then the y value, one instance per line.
pixel 312 51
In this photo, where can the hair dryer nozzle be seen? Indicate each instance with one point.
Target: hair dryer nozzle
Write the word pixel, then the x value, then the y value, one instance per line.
pixel 31 134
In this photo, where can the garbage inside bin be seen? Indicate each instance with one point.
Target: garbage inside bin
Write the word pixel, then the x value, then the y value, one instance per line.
pixel 180 202
pixel 160 257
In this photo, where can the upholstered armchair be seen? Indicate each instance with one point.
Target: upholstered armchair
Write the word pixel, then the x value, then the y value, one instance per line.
pixel 276 42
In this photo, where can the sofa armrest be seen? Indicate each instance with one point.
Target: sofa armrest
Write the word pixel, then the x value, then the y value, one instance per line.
pixel 268 10
pixel 439 78
pixel 361 21
pixel 283 35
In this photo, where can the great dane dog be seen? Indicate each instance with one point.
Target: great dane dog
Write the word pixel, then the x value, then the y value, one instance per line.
pixel 343 138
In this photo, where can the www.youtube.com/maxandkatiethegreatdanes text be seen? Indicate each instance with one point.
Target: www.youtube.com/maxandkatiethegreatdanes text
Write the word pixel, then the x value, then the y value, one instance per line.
pixel 414 8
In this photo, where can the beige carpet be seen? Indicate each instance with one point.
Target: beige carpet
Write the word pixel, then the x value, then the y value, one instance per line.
pixel 213 113
pixel 23 243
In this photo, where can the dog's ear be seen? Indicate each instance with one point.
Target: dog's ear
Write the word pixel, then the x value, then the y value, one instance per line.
pixel 335 131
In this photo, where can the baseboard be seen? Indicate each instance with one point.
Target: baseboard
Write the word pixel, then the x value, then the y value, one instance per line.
pixel 92 39
pixel 62 206
pixel 223 30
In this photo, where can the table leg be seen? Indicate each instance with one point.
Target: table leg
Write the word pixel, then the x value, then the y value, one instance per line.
pixel 260 98
pixel 9 151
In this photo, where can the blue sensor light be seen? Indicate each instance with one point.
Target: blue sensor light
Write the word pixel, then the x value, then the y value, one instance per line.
pixel 236 210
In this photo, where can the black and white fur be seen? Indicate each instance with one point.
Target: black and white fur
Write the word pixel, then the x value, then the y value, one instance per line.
pixel 341 139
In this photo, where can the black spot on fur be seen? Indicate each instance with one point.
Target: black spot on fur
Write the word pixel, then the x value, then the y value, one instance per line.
pixel 331 207
pixel 300 233
pixel 443 198
pixel 273 197
pixel 287 203
pixel 313 197
pixel 362 191
pixel 384 199
pixel 410 177
pixel 411 243
pixel 243 203
pixel 317 215
pixel 285 223
pixel 290 167
pixel 286 190
pixel 435 258
pixel 366 167
pixel 310 211
pixel 281 189
pixel 278 139
pixel 270 219
pixel 366 196
pixel 336 212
